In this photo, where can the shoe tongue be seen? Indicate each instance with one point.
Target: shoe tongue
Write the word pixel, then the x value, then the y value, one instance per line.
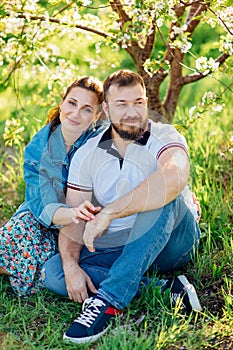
pixel 98 302
pixel 98 297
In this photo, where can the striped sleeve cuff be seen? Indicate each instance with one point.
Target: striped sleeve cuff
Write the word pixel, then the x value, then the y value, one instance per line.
pixel 77 187
pixel 170 145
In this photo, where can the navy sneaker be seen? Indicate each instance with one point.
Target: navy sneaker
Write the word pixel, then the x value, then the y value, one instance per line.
pixel 183 292
pixel 93 322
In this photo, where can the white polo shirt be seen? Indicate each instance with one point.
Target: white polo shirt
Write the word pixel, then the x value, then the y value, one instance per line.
pixel 98 167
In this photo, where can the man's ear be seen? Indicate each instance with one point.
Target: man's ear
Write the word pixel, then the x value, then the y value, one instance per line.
pixel 105 108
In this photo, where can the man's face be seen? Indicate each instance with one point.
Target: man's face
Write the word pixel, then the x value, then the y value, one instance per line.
pixel 127 110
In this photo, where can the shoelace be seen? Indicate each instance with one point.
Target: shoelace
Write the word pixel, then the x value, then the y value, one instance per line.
pixel 179 297
pixel 86 303
pixel 90 313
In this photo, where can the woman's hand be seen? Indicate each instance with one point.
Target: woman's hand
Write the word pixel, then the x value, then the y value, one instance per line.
pixel 85 211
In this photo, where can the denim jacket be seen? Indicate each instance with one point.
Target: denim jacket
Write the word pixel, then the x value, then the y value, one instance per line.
pixel 46 166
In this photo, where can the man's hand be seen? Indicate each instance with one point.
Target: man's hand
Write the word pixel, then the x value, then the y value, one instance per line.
pixel 77 283
pixel 85 211
pixel 95 228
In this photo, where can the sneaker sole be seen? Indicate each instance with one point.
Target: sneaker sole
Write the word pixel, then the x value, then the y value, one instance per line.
pixel 193 298
pixel 85 340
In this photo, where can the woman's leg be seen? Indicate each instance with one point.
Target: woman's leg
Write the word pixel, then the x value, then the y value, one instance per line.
pixel 25 245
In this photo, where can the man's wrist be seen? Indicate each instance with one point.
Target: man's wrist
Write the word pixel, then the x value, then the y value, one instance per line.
pixel 109 211
pixel 68 265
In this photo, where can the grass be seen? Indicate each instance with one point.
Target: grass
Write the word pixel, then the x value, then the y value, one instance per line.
pixel 149 322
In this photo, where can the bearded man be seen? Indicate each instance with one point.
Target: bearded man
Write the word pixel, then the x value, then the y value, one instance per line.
pixel 137 213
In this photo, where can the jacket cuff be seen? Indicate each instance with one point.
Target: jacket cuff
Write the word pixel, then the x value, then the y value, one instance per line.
pixel 47 214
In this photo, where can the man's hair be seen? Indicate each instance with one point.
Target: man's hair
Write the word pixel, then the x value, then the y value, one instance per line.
pixel 86 82
pixel 122 78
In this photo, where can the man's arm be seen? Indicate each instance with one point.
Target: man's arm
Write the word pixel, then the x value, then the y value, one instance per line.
pixel 159 189
pixel 70 245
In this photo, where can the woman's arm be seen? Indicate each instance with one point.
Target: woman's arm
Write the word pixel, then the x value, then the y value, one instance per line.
pixel 85 211
pixel 43 176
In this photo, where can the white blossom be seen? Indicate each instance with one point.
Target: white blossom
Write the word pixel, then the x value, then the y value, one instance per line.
pixel 192 111
pixel 184 45
pixel 124 45
pixel 87 2
pixel 175 31
pixel 93 63
pixel 159 22
pixel 30 6
pixel 98 47
pixel 226 44
pixel 117 25
pixel 217 108
pixel 209 95
pixel 205 65
pixel 159 5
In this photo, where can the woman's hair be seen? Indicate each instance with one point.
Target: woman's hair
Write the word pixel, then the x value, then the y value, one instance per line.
pixel 122 78
pixel 87 82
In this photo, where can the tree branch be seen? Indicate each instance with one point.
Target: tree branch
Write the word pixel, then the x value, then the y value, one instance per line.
pixel 206 6
pixel 141 54
pixel 195 11
pixel 117 7
pixel 220 19
pixel 195 77
pixel 16 62
pixel 63 9
pixel 55 20
pixel 149 44
pixel 134 50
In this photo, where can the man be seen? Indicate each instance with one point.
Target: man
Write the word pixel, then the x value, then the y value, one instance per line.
pixel 137 172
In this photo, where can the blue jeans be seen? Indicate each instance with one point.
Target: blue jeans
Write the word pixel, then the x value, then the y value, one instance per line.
pixel 162 239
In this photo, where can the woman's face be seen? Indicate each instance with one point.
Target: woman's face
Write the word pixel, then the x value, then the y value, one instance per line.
pixel 78 110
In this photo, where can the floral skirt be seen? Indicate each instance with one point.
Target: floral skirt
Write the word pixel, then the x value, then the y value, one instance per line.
pixel 25 245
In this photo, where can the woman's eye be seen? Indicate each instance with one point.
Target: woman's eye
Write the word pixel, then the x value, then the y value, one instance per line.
pixel 72 103
pixel 87 110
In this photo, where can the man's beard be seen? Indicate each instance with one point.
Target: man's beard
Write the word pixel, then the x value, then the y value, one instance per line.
pixel 132 135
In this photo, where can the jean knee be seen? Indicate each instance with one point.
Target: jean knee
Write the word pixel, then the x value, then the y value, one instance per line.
pixel 53 276
pixel 47 276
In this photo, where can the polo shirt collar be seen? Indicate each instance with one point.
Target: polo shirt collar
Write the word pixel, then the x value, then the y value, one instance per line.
pixel 106 139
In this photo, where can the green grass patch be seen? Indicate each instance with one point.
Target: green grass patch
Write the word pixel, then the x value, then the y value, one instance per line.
pixel 149 322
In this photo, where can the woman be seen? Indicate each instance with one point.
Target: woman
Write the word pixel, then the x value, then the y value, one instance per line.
pixel 30 236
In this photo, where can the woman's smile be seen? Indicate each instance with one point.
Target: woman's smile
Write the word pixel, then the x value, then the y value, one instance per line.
pixel 74 122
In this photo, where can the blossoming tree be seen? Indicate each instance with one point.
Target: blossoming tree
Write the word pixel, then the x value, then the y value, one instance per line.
pixel 158 35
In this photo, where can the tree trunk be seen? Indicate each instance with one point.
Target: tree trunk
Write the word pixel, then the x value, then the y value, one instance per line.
pixel 175 85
